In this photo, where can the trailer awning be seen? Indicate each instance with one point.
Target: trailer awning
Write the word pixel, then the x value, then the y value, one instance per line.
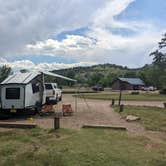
pixel 58 76
pixel 25 78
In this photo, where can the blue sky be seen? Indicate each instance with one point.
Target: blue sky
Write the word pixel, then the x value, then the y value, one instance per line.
pixel 50 34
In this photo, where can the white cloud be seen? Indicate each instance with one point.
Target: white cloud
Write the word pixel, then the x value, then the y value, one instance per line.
pixel 105 16
pixel 70 43
pixel 29 65
pixel 28 21
pixel 37 24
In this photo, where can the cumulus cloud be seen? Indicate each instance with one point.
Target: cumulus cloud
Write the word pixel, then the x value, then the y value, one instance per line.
pixel 37 23
pixel 29 65
pixel 28 21
pixel 100 44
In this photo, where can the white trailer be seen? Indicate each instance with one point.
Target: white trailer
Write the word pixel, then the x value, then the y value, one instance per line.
pixel 24 91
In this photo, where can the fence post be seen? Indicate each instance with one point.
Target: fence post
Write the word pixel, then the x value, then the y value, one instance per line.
pixel 121 108
pixel 164 105
pixel 56 122
pixel 113 102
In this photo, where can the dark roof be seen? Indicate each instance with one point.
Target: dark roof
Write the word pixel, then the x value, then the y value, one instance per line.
pixel 132 81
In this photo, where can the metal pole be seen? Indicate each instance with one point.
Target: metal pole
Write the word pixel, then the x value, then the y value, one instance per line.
pixel 42 75
pixel 76 93
pixel 120 95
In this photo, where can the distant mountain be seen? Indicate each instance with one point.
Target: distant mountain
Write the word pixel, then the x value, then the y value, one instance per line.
pixel 98 74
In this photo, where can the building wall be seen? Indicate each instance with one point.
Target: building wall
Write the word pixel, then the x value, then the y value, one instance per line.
pixel 124 85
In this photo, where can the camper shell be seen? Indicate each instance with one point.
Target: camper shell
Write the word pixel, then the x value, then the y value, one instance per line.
pixel 21 91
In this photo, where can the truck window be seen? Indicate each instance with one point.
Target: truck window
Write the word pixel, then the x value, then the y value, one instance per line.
pixel 48 86
pixel 12 93
pixel 35 88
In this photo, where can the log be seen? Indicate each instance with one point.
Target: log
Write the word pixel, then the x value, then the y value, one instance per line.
pixel 105 127
pixel 17 125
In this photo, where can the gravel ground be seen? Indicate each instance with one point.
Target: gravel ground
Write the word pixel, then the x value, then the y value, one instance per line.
pixel 95 112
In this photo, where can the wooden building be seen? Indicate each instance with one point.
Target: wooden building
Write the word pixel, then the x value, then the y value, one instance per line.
pixel 127 84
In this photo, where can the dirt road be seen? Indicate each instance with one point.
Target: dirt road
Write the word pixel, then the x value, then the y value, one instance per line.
pixel 96 112
pixel 99 112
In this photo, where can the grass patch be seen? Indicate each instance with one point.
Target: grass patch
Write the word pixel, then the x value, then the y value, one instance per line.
pixel 80 91
pixel 125 96
pixel 152 118
pixel 86 147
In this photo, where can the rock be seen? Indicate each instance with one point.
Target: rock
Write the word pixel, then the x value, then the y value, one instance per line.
pixel 131 118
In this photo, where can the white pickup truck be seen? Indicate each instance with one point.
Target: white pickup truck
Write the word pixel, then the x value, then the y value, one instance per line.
pixel 52 93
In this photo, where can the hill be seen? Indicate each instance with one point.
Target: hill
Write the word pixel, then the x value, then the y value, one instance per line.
pixel 103 74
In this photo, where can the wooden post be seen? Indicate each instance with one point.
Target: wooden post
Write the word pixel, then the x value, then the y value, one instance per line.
pixel 113 102
pixel 120 97
pixel 56 122
pixel 121 108
pixel 164 105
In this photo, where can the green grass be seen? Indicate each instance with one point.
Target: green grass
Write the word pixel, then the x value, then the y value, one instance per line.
pixel 75 91
pixel 86 147
pixel 152 118
pixel 126 96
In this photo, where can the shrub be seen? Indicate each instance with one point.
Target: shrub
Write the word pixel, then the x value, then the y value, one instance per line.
pixel 163 91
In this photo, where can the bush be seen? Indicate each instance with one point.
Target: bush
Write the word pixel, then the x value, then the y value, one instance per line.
pixel 163 91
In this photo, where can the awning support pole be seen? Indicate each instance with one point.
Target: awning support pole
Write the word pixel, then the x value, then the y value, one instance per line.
pixel 76 93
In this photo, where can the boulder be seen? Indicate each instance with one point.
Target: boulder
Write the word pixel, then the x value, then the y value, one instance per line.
pixel 131 118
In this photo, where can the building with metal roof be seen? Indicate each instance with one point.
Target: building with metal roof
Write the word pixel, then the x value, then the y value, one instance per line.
pixel 127 84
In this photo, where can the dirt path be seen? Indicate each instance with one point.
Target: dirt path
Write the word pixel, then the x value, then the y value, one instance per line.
pixel 99 112
pixel 145 103
pixel 95 112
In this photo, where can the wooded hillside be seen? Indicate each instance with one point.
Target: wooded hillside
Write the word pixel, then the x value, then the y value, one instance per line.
pixel 105 74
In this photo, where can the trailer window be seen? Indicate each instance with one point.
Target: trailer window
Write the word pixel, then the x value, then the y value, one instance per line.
pixel 35 88
pixel 12 93
pixel 48 86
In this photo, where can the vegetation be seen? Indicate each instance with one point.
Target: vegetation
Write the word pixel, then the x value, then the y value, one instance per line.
pixel 4 72
pixel 84 147
pixel 105 74
pixel 152 118
pixel 125 96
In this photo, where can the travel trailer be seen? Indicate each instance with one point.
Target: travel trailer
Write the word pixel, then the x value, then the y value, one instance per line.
pixel 24 91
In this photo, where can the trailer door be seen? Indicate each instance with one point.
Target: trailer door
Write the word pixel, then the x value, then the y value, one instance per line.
pixel 12 96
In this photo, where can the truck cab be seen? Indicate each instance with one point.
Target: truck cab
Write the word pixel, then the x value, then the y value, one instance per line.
pixel 52 93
